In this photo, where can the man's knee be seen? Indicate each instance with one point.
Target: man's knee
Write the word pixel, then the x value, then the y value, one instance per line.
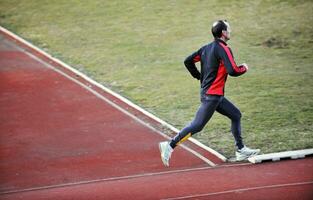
pixel 236 116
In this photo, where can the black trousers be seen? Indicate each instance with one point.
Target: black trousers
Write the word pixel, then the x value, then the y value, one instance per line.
pixel 210 104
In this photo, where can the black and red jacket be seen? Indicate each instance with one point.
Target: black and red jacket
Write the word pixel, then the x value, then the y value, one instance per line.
pixel 216 63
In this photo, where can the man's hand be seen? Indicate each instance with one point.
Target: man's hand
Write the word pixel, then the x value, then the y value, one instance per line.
pixel 245 65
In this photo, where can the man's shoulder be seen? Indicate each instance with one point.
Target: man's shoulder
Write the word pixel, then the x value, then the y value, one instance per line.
pixel 212 45
pixel 208 45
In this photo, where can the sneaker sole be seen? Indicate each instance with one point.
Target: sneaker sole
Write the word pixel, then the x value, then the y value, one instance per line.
pixel 246 157
pixel 242 159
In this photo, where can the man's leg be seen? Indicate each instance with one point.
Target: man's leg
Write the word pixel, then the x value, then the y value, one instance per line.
pixel 233 113
pixel 228 109
pixel 203 115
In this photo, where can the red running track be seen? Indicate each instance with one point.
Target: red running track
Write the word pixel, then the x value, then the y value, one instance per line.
pixel 62 139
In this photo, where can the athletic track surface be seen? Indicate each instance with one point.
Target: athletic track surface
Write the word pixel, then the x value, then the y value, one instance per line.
pixel 64 138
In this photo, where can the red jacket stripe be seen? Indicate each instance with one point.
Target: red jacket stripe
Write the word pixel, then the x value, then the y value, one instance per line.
pixel 197 58
pixel 217 87
pixel 232 61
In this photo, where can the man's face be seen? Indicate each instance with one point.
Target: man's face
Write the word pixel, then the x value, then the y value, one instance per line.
pixel 227 32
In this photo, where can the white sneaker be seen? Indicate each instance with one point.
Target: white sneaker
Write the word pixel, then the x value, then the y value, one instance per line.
pixel 245 153
pixel 166 152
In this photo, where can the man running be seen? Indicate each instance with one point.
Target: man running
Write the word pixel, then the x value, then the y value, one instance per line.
pixel 217 63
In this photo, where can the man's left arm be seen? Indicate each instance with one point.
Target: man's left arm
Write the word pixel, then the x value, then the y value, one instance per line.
pixel 227 57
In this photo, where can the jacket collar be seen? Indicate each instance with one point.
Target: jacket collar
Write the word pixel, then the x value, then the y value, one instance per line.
pixel 220 40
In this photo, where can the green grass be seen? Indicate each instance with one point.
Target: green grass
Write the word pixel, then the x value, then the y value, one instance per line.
pixel 137 48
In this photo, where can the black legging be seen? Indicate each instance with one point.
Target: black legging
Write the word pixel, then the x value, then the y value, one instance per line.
pixel 209 104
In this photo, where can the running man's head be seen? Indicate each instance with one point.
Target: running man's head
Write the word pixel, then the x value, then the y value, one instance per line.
pixel 221 29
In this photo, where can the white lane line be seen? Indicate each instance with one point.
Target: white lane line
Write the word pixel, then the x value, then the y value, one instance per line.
pixel 104 180
pixel 240 190
pixel 120 178
pixel 110 102
pixel 162 122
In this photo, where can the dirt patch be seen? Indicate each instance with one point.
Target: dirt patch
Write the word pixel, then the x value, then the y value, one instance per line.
pixel 273 42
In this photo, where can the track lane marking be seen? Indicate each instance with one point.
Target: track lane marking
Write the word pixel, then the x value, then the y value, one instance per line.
pixel 73 184
pixel 240 190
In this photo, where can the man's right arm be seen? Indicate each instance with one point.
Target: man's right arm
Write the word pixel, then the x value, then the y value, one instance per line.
pixel 190 64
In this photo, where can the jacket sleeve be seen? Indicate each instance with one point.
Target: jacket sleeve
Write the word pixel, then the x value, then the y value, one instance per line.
pixel 190 64
pixel 226 55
